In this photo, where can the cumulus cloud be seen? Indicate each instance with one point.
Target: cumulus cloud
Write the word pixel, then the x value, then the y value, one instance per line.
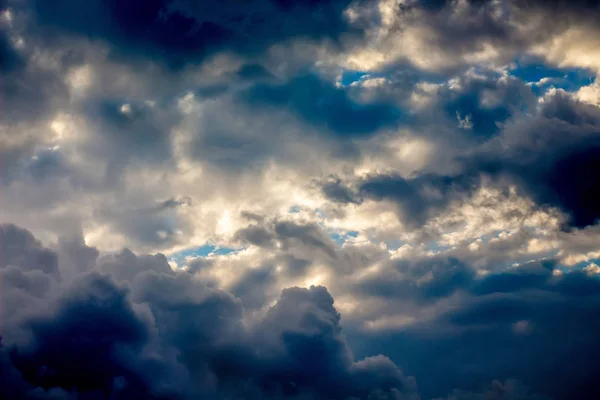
pixel 109 330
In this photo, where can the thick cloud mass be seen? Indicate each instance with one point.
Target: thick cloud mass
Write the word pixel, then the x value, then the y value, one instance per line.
pixel 167 335
pixel 144 330
pixel 186 186
pixel 504 325
pixel 180 31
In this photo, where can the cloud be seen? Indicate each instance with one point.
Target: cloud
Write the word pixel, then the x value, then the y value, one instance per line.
pixel 324 105
pixel 288 235
pixel 552 173
pixel 100 339
pixel 487 310
pixel 430 162
pixel 177 32
pixel 419 280
pixel 71 352
pixel 334 190
pixel 21 249
pixel 108 330
pixel 418 199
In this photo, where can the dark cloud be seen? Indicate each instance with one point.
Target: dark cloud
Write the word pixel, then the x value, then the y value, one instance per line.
pixel 420 280
pixel 296 266
pixel 335 190
pixel 47 164
pixel 552 158
pixel 419 198
pixel 33 282
pixel 526 323
pixel 253 72
pixel 10 59
pixel 129 132
pixel 28 271
pixel 173 203
pixel 564 8
pixel 324 105
pixel 436 5
pixel 572 185
pixel 550 155
pixel 256 235
pixel 308 235
pixel 125 265
pixel 28 91
pixel 230 149
pixel 168 336
pixel 254 285
pixel 471 111
pixel 470 107
pixel 288 235
pixel 580 7
pixel 178 32
pixel 75 256
pixel 155 225
pixel 484 104
pixel 508 390
pixel 525 277
pixel 78 346
pixel 306 327
pixel 19 248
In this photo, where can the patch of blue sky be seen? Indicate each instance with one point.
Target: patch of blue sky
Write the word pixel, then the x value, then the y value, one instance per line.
pixel 294 209
pixel 542 76
pixel 584 264
pixel 341 237
pixel 206 250
pixel 493 235
pixel 549 255
pixel 531 231
pixel 350 76
pixel 403 73
pixel 223 251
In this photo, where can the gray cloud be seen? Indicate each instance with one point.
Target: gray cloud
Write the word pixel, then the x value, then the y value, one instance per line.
pixel 177 32
pixel 297 348
pixel 288 235
pixel 516 310
pixel 100 339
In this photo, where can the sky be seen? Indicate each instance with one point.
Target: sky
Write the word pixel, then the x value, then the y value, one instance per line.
pixel 299 200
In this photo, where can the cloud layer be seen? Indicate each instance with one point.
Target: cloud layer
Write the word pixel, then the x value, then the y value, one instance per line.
pixel 186 187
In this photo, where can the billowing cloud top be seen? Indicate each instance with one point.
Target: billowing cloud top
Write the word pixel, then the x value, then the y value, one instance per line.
pixel 308 200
